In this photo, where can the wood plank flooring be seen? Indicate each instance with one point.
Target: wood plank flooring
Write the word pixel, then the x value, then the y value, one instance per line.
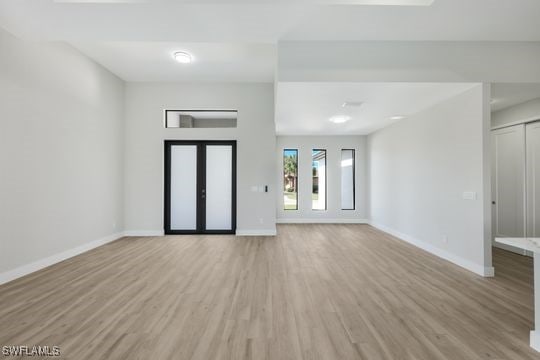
pixel 313 292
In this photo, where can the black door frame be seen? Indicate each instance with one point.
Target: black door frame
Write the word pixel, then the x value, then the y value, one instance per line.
pixel 201 185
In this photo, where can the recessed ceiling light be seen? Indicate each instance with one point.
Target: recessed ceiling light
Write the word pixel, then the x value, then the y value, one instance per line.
pixel 183 57
pixel 340 119
pixel 397 117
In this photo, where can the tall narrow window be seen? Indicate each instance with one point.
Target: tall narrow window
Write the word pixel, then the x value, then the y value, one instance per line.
pixel 318 194
pixel 347 179
pixel 290 179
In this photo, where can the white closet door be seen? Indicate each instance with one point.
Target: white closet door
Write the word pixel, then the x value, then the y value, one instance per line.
pixel 219 161
pixel 184 187
pixel 533 179
pixel 508 181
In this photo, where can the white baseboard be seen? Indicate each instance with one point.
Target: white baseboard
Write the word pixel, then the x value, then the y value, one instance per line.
pixel 512 249
pixel 322 221
pixel 488 271
pixel 144 233
pixel 256 232
pixel 51 260
pixel 535 340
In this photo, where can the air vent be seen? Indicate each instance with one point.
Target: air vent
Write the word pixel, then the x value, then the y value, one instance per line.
pixel 352 104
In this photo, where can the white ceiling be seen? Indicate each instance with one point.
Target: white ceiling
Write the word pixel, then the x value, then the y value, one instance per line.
pixel 510 94
pixel 153 61
pixel 304 108
pixel 235 39
pixel 268 21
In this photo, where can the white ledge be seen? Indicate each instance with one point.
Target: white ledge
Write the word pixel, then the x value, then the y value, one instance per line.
pixel 530 244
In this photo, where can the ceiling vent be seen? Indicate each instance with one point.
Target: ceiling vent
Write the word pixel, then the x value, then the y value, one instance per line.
pixel 352 104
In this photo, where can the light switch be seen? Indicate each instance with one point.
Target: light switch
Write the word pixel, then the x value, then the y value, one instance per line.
pixel 469 195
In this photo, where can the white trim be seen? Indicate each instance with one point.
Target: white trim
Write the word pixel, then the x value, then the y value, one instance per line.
pixel 321 221
pixel 257 232
pixel 51 260
pixel 144 233
pixel 513 249
pixel 535 340
pixel 518 122
pixel 487 271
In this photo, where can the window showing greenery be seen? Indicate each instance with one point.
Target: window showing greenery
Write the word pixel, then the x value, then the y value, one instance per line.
pixel 290 179
pixel 318 196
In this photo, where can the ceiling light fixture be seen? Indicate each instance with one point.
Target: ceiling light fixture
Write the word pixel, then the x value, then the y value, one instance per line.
pixel 183 57
pixel 340 119
pixel 397 117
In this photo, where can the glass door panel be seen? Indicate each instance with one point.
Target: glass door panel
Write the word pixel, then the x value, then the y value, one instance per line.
pixel 183 187
pixel 219 168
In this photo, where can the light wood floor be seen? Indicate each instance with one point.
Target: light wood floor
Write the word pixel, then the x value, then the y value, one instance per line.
pixel 314 292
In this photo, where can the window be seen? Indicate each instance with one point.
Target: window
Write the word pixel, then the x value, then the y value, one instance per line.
pixel 347 179
pixel 318 194
pixel 200 118
pixel 290 179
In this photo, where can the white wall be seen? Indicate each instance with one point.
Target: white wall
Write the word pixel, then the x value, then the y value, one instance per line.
pixel 61 148
pixel 145 134
pixel 520 113
pixel 333 146
pixel 418 171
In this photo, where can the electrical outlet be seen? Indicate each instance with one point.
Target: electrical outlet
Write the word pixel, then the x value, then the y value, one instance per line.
pixel 114 225
pixel 261 221
pixel 445 239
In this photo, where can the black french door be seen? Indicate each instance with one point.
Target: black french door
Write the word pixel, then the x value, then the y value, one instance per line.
pixel 200 187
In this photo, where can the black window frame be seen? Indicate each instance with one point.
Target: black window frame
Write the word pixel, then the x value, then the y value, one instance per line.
pixel 297 178
pixel 325 179
pixel 354 177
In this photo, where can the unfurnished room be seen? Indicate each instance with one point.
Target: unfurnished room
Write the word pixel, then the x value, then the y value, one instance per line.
pixel 270 179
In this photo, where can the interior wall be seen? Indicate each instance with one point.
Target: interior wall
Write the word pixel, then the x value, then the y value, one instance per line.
pixel 524 112
pixel 420 169
pixel 61 149
pixel 333 146
pixel 144 153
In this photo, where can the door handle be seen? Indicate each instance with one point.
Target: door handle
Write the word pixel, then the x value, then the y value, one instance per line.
pixel 493 202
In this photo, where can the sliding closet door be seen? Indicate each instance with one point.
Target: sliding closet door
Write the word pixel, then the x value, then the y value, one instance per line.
pixel 183 189
pixel 508 181
pixel 219 187
pixel 533 179
pixel 200 187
